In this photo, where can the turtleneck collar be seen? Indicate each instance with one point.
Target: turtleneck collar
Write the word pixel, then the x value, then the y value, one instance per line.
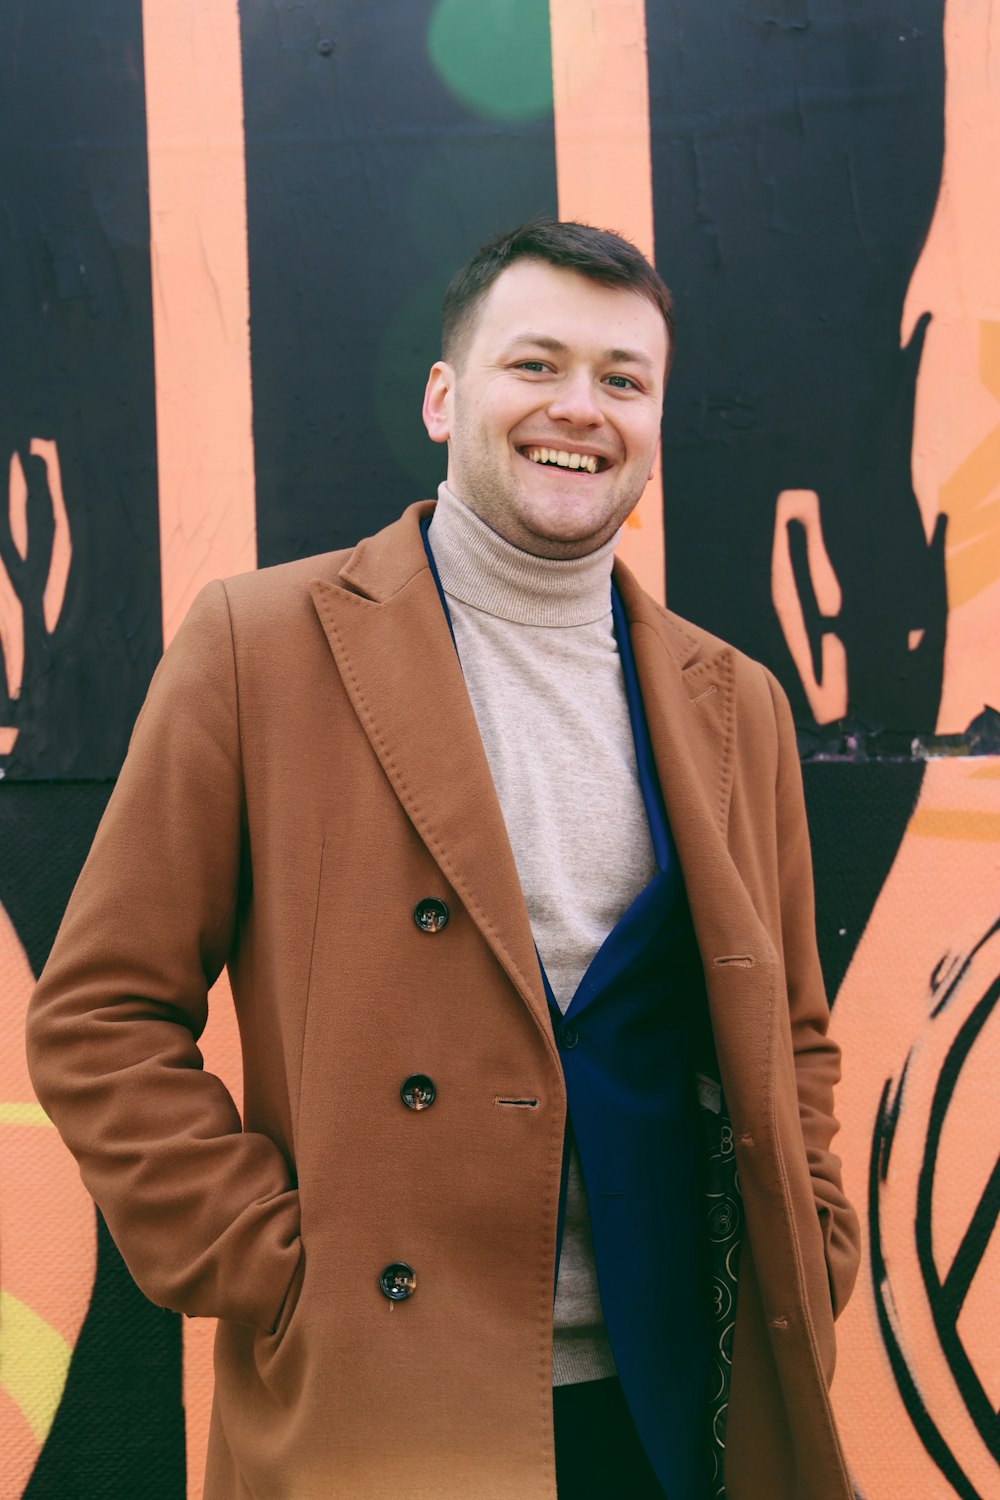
pixel 479 567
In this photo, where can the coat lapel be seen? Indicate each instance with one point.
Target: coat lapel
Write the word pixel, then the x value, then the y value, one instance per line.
pixel 688 698
pixel 390 640
pixel 688 693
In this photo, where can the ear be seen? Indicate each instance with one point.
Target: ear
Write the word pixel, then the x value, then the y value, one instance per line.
pixel 656 459
pixel 437 402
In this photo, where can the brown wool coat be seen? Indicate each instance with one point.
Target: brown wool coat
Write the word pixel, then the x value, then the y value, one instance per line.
pixel 307 767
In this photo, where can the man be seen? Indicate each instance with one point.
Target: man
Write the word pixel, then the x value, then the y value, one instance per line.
pixel 478 827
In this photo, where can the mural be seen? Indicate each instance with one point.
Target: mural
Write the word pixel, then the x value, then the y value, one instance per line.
pixel 227 229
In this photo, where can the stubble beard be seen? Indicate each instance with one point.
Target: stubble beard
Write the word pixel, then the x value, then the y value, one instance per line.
pixel 499 500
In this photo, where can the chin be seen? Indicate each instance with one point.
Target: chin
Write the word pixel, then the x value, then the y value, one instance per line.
pixel 563 541
pixel 565 527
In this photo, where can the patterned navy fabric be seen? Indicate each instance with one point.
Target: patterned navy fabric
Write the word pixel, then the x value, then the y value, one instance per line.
pixel 723 1231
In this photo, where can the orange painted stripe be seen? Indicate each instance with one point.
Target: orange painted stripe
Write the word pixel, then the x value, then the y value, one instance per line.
pixel 204 433
pixel 201 296
pixel 600 90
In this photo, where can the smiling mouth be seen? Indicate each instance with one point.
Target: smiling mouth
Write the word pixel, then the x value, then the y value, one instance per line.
pixel 565 458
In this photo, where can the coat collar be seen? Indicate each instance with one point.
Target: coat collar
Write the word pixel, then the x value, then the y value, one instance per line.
pixel 390 640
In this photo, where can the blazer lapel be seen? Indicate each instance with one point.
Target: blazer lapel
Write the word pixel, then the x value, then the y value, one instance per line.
pixel 390 640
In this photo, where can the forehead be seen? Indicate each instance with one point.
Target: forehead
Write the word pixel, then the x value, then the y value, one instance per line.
pixel 533 297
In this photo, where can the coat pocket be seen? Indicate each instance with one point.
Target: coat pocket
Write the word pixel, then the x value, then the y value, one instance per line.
pixel 290 1305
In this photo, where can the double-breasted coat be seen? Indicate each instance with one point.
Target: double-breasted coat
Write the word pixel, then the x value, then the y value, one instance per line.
pixel 305 772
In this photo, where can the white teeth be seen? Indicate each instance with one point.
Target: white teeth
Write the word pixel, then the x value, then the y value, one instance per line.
pixel 563 458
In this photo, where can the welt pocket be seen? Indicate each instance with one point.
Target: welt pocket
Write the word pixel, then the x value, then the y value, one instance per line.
pixel 290 1305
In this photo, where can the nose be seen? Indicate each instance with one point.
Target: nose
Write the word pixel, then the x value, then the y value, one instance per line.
pixel 575 401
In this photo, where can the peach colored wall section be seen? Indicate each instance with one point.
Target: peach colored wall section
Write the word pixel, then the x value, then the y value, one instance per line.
pixel 907 1007
pixel 201 298
pixel 956 450
pixel 600 97
pixel 201 335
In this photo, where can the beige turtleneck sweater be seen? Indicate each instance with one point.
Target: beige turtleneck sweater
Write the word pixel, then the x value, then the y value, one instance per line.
pixel 537 647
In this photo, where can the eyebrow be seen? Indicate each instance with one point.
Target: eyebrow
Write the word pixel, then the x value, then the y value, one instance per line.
pixel 556 346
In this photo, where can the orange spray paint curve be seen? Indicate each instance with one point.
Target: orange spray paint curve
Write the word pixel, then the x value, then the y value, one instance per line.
pixel 827 693
pixel 62 547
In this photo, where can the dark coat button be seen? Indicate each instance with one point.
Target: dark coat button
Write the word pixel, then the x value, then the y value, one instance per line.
pixel 430 914
pixel 397 1282
pixel 569 1036
pixel 418 1091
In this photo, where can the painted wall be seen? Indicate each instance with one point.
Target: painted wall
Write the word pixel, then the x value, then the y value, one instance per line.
pixel 224 237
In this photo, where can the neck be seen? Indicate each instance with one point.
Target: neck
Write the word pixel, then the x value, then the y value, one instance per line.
pixel 481 568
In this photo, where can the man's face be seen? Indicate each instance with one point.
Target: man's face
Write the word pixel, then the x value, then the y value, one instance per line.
pixel 561 365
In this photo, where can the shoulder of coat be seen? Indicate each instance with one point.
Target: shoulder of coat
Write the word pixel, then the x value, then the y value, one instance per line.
pixel 750 677
pixel 274 594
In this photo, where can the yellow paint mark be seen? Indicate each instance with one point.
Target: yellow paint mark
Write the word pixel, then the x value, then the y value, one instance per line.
pixel 34 1362
pixel 973 550
pixel 952 823
pixel 24 1114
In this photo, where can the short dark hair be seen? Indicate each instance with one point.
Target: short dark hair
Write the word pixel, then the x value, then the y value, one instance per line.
pixel 599 254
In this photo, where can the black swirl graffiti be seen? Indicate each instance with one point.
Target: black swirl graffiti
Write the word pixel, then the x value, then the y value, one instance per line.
pixel 946 1293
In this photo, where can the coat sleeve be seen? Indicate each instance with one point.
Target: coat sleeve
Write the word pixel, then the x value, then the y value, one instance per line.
pixel 206 1215
pixel 816 1054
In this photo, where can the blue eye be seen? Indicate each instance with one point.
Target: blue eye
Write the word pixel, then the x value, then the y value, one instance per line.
pixel 627 384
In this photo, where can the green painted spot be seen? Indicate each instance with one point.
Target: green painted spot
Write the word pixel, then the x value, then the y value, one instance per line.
pixel 494 55
pixel 466 191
